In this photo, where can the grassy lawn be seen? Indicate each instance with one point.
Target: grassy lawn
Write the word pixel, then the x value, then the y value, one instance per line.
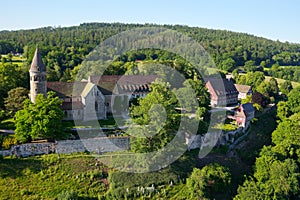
pixel 295 84
pixel 49 176
pixel 110 122
pixel 16 60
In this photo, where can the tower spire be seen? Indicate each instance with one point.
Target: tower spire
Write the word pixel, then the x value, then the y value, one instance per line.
pixel 38 82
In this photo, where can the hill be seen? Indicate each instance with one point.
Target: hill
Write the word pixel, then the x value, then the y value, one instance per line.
pixel 64 48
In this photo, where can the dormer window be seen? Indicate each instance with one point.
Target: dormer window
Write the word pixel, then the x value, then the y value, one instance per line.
pixel 38 68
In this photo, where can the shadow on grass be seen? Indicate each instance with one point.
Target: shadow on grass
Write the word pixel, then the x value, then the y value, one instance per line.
pixel 14 167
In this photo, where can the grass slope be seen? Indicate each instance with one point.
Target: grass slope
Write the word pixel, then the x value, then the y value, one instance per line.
pixel 51 176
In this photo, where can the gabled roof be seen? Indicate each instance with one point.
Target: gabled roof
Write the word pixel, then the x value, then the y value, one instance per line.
pixel 87 89
pixel 37 62
pixel 123 84
pixel 242 88
pixel 221 86
pixel 64 89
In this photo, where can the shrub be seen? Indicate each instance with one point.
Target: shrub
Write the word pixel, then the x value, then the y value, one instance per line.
pixel 9 141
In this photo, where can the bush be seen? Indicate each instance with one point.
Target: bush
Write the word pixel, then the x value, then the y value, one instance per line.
pixel 9 141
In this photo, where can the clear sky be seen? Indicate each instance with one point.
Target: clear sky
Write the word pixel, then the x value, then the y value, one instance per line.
pixel 273 19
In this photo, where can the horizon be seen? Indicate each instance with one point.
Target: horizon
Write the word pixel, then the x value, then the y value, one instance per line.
pixel 274 20
pixel 158 24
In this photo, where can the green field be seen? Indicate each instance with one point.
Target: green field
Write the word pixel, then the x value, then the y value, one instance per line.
pixel 16 60
pixel 279 80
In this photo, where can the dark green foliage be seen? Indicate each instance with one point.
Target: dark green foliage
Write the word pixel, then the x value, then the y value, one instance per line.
pixel 287 73
pixel 250 66
pixel 42 120
pixel 292 106
pixel 155 117
pixel 254 79
pixel 206 181
pixel 286 87
pixel 15 99
pixel 276 174
pixel 11 76
pixel 65 48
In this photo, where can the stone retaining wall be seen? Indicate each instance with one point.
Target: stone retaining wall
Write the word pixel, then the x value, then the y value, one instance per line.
pixel 93 145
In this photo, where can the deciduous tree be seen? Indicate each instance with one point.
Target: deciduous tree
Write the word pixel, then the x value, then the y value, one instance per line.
pixel 42 120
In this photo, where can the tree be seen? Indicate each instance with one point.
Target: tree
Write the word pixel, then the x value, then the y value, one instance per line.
pixel 42 120
pixel 15 99
pixel 294 100
pixel 276 173
pixel 286 87
pixel 227 64
pixel 263 64
pixel 288 131
pixel 10 77
pixel 274 87
pixel 264 88
pixel 282 110
pixel 9 57
pixel 208 180
pixel 154 116
pixel 250 66
pixel 201 92
pixel 254 79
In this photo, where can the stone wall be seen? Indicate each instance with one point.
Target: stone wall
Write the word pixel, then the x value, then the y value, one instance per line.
pixel 31 149
pixel 209 139
pixel 94 145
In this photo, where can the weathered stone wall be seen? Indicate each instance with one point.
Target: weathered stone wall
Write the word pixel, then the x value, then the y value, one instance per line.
pixel 5 153
pixel 94 145
pixel 209 139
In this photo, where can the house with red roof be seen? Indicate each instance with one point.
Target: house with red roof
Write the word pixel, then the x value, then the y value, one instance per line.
pixel 222 92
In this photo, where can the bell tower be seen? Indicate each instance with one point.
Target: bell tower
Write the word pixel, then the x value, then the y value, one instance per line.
pixel 37 72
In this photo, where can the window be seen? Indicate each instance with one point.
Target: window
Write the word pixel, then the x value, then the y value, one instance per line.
pixel 96 106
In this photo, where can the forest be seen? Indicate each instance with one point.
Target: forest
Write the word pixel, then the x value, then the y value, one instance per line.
pixel 64 48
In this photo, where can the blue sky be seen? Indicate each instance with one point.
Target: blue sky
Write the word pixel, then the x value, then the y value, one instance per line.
pixel 274 19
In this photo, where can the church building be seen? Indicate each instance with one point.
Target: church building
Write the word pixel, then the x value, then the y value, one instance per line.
pixel 90 99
